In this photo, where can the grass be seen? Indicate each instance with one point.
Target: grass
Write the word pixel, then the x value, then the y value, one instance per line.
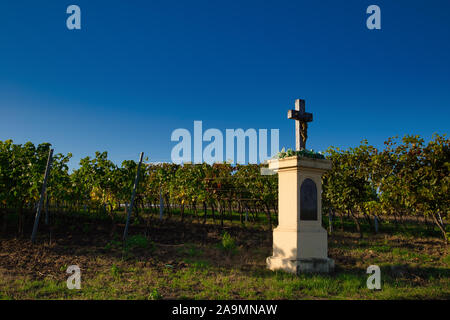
pixel 138 241
pixel 446 260
pixel 201 279
pixel 229 268
pixel 216 283
pixel 228 244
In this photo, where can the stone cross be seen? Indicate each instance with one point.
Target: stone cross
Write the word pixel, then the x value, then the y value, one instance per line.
pixel 301 123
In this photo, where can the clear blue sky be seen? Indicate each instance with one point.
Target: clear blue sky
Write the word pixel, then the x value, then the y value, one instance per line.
pixel 140 69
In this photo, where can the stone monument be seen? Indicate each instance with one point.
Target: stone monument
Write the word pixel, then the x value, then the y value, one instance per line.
pixel 300 242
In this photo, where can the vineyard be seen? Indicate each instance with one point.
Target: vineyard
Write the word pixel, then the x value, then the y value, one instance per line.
pixel 408 179
pixel 204 231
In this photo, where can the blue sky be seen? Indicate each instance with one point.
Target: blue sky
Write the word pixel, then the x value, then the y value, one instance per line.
pixel 140 69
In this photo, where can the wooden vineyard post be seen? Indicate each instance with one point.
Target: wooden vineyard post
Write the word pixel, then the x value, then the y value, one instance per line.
pixel 161 205
pixel 130 208
pixel 46 210
pixel 246 215
pixel 41 199
pixel 330 220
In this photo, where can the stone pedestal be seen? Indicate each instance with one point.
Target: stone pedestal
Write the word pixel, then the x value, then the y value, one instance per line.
pixel 300 242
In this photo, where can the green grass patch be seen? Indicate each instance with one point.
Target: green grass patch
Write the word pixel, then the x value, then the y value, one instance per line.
pixel 228 244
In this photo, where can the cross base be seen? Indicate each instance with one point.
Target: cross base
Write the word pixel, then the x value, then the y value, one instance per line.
pixel 297 266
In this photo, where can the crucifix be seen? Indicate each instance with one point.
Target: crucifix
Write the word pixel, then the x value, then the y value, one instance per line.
pixel 301 123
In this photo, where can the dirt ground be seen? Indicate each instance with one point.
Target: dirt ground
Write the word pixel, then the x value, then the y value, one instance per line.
pixel 91 246
pixel 19 257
